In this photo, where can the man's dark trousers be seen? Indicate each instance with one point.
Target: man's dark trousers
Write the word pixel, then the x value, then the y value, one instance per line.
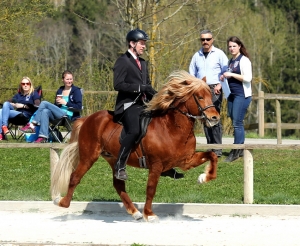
pixel 214 134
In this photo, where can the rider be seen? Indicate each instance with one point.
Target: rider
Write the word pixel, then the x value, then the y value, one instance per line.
pixel 131 80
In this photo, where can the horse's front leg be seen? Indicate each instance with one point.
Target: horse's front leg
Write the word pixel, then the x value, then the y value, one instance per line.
pixel 199 158
pixel 150 193
pixel 129 206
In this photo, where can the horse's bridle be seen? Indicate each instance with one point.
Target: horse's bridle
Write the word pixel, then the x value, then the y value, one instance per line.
pixel 201 111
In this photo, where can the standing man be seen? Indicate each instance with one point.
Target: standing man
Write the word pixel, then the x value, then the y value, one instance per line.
pixel 208 64
pixel 131 80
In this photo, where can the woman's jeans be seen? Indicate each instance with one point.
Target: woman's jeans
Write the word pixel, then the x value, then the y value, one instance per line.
pixel 47 112
pixel 6 113
pixel 237 108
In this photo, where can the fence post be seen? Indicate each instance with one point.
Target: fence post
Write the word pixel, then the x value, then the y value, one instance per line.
pixel 261 114
pixel 278 123
pixel 248 176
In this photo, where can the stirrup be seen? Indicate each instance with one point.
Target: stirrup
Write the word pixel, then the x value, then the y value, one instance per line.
pixel 121 174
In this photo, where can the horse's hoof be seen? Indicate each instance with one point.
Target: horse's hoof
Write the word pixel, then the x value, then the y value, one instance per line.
pixel 202 178
pixel 152 218
pixel 137 215
pixel 56 201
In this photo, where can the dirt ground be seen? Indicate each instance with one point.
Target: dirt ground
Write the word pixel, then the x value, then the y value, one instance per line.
pixel 63 227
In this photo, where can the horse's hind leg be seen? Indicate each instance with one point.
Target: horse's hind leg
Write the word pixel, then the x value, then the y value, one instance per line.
pixel 89 152
pixel 75 178
pixel 120 188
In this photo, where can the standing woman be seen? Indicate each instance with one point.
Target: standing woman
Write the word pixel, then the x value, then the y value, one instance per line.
pixel 24 102
pixel 239 76
pixel 67 96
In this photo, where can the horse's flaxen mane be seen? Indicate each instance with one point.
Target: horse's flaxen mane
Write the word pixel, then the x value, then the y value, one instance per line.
pixel 180 86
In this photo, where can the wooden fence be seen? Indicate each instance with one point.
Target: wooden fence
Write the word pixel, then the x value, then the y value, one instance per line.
pixel 248 157
pixel 262 125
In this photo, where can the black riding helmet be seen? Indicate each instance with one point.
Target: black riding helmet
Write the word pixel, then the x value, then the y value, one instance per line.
pixel 136 35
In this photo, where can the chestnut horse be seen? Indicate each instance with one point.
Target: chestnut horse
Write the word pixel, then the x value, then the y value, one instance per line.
pixel 169 142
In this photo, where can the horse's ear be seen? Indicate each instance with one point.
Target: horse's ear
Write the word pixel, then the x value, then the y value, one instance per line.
pixel 188 82
pixel 204 79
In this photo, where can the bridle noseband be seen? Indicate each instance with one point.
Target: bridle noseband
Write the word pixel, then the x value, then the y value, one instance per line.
pixel 201 111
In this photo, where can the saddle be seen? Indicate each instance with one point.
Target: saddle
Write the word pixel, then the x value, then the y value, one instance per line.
pixel 145 119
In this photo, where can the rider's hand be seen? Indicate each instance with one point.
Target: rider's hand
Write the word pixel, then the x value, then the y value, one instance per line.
pixel 146 88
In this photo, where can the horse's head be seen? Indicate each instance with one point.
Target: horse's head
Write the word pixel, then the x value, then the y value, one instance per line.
pixel 200 106
pixel 187 94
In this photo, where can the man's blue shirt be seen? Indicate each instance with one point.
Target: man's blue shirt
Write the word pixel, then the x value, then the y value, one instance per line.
pixel 211 67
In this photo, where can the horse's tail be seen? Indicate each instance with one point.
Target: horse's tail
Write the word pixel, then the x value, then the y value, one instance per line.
pixel 68 161
pixel 76 128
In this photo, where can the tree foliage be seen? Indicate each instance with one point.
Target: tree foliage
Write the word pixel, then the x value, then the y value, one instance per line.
pixel 17 33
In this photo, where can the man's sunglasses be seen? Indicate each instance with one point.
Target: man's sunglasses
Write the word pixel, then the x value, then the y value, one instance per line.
pixel 207 39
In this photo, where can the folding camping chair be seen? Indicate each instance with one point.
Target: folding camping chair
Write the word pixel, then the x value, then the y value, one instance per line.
pixel 55 129
pixel 57 126
pixel 14 124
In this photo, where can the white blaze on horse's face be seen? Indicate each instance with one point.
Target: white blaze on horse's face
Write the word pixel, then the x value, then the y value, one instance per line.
pixel 212 117
pixel 207 112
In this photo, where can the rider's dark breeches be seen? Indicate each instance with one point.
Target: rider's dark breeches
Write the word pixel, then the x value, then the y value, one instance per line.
pixel 131 124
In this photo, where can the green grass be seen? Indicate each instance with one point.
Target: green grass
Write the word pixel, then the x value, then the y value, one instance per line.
pixel 25 176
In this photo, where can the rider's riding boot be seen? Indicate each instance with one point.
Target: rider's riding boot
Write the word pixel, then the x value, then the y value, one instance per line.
pixel 233 155
pixel 120 166
pixel 172 173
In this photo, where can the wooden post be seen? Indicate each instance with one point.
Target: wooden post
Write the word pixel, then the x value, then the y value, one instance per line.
pixel 261 118
pixel 278 123
pixel 248 176
pixel 261 114
pixel 54 157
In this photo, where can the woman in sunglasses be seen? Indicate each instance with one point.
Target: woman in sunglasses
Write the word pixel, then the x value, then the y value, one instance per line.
pixel 24 102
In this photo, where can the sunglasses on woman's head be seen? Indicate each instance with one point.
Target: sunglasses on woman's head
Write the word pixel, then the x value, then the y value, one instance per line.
pixel 25 83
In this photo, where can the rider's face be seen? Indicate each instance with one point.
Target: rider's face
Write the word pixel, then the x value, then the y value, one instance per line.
pixel 139 47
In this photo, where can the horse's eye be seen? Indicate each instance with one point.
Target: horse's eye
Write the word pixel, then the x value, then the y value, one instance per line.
pixel 200 98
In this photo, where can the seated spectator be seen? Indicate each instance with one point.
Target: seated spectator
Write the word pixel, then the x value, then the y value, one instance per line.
pixel 24 102
pixel 67 96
